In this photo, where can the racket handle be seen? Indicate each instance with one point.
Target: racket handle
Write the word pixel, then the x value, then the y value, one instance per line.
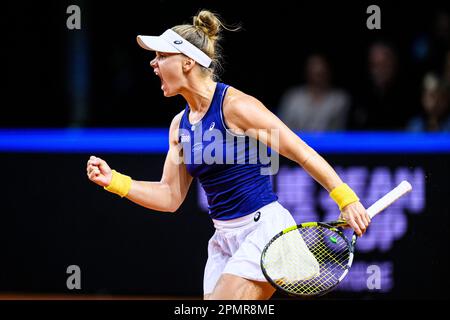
pixel 403 188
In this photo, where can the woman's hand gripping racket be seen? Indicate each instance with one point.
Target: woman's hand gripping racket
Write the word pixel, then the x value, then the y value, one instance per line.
pixel 312 258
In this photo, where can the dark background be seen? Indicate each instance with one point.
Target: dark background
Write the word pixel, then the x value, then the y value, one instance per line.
pixel 43 58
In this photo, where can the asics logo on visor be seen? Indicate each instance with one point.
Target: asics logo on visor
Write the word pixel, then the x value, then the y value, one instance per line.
pixel 178 42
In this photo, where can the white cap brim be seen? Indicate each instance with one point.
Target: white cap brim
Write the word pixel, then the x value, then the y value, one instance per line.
pixel 153 43
pixel 172 42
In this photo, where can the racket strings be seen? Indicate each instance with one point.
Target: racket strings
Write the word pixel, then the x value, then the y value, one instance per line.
pixel 286 254
pixel 330 251
pixel 319 242
pixel 326 278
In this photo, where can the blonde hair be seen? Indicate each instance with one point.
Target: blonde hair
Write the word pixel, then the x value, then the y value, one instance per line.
pixel 205 34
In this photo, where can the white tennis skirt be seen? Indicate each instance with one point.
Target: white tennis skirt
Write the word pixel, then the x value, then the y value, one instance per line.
pixel 237 244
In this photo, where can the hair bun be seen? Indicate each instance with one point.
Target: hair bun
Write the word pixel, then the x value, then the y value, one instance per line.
pixel 208 22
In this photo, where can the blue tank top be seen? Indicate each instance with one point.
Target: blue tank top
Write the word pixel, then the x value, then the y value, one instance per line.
pixel 227 165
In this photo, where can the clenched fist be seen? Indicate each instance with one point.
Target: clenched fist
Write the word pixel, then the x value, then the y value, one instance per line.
pixel 98 171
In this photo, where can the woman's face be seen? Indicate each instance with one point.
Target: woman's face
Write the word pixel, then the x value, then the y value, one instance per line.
pixel 317 71
pixel 168 67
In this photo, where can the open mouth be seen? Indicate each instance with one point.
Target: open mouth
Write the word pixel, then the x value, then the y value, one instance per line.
pixel 160 78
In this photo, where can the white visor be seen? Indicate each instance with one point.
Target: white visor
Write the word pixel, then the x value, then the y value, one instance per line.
pixel 172 42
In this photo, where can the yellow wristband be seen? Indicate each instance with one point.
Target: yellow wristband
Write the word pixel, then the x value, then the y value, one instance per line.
pixel 120 184
pixel 343 195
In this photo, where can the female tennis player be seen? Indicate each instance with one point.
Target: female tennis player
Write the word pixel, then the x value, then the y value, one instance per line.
pixel 241 201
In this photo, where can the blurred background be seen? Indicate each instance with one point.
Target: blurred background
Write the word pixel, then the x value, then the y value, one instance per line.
pixel 373 102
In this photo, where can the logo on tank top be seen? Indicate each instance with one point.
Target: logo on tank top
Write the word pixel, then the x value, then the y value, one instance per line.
pixel 178 41
pixel 257 216
pixel 212 126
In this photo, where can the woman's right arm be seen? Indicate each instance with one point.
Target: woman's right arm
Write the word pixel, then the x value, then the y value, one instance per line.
pixel 165 195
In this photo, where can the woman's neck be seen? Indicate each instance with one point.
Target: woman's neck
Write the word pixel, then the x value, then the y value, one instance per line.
pixel 199 95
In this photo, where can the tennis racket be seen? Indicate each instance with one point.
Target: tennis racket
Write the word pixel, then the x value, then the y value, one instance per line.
pixel 310 259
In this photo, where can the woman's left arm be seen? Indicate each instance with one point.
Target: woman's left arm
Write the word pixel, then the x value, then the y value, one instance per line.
pixel 247 114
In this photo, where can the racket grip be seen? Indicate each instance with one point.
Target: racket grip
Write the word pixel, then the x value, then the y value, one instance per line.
pixel 403 188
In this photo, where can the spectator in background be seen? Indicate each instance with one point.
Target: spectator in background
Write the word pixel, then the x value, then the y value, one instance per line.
pixel 316 106
pixel 435 102
pixel 383 104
